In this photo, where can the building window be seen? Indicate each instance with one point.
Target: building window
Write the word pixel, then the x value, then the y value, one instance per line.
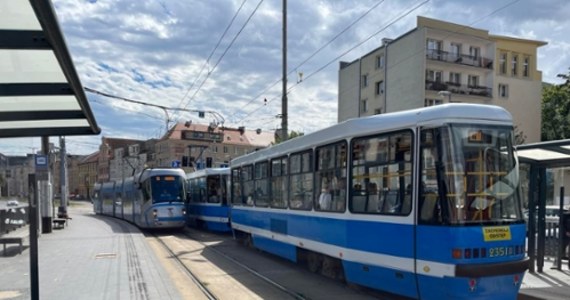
pixel 380 61
pixel 474 52
pixel 236 150
pixel 526 64
pixel 364 106
pixel 380 87
pixel 434 76
pixel 514 64
pixel 455 51
pixel 503 63
pixel 215 149
pixel 364 80
pixel 225 149
pixel 503 90
pixel 377 111
pixel 434 49
pixel 432 102
pixel 455 78
pixel 473 81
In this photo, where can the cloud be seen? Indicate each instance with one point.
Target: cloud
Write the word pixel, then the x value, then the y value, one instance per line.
pixel 153 51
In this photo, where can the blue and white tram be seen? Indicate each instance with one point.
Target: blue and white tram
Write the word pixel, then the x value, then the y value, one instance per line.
pixel 153 198
pixel 208 205
pixel 422 203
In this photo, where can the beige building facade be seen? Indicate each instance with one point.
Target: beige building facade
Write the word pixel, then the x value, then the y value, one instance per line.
pixel 439 62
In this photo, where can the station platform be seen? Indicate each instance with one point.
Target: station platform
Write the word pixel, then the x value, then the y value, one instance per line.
pixel 551 284
pixel 92 257
pixel 95 257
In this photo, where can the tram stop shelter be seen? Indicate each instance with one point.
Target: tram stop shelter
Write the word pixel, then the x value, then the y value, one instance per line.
pixel 535 159
pixel 40 92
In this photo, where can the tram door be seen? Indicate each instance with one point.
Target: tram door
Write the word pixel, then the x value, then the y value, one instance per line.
pixel 428 215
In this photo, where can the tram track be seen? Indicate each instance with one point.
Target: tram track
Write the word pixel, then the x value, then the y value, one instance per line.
pixel 203 288
pixel 236 280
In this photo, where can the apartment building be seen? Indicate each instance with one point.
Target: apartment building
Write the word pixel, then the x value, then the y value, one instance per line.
pixel 207 145
pixel 439 62
pixel 87 174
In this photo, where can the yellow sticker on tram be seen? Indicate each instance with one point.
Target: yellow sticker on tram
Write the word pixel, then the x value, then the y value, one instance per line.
pixel 497 233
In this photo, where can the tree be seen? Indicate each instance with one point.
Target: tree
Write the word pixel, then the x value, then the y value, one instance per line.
pixel 292 135
pixel 520 137
pixel 556 110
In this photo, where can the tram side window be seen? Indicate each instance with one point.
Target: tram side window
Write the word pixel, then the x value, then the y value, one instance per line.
pixel 214 189
pixel 301 178
pixel 261 194
pixel 381 174
pixel 331 177
pixel 279 182
pixel 237 196
pixel 195 191
pixel 146 190
pixel 247 184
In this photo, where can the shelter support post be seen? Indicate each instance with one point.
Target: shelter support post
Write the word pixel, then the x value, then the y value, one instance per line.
pixel 532 203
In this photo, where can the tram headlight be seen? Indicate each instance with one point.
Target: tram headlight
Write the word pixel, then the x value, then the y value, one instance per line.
pixel 457 253
pixel 472 284
pixel 184 211
pixel 516 280
pixel 154 213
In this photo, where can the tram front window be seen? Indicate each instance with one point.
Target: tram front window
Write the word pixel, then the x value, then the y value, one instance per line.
pixel 469 175
pixel 167 189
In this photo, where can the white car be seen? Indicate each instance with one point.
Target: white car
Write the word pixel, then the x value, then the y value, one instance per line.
pixel 13 203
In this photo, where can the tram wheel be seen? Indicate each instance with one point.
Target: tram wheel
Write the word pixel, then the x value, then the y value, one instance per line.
pixel 248 241
pixel 315 262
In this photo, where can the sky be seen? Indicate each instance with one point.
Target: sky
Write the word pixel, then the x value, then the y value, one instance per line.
pixel 225 56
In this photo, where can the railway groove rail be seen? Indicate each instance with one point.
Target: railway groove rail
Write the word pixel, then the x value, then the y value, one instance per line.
pixel 221 268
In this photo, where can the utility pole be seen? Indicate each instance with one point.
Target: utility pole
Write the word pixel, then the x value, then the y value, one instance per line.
pixel 63 174
pixel 46 196
pixel 284 116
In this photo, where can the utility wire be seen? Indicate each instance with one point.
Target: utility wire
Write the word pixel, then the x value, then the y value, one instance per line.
pixel 212 53
pixel 314 53
pixel 406 58
pixel 343 54
pixel 224 53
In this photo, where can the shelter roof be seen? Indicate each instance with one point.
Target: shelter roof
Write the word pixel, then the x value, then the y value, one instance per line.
pixel 40 91
pixel 550 154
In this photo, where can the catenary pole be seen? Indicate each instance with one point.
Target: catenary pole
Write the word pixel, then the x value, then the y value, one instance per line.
pixel 284 116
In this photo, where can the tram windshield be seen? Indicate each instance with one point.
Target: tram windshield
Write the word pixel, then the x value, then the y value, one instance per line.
pixel 469 175
pixel 167 188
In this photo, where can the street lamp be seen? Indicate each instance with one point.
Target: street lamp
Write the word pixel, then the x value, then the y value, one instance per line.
pixel 444 94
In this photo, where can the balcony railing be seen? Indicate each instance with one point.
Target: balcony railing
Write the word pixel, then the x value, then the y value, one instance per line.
pixel 460 89
pixel 462 59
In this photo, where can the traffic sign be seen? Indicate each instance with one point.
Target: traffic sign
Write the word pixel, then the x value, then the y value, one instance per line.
pixel 41 164
pixel 176 164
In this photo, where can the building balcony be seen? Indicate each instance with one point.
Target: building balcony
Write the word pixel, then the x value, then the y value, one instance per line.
pixel 459 89
pixel 461 59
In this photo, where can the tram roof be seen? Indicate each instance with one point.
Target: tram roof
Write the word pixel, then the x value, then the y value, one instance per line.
pixel 209 171
pixel 451 112
pixel 550 154
pixel 40 91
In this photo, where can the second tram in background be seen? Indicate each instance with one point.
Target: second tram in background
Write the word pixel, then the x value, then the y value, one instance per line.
pixel 208 205
pixel 154 198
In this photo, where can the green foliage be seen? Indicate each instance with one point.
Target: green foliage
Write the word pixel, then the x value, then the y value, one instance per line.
pixel 520 137
pixel 293 134
pixel 556 110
